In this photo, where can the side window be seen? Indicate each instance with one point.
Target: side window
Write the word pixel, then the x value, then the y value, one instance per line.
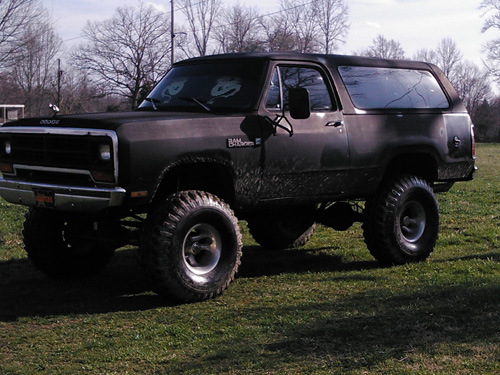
pixel 385 88
pixel 274 95
pixel 287 77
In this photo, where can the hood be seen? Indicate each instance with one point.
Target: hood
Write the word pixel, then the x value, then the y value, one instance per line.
pixel 108 120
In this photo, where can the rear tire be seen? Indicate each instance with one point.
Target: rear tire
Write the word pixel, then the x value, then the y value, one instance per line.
pixel 402 222
pixel 191 246
pixel 278 230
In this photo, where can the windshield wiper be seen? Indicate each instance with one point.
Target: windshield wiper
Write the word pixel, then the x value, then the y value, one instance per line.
pixel 207 108
pixel 153 101
pixel 197 101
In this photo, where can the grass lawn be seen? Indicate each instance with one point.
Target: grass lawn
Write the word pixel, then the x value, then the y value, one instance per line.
pixel 328 308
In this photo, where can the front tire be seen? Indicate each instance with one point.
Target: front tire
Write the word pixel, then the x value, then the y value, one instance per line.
pixel 191 246
pixel 63 245
pixel 402 222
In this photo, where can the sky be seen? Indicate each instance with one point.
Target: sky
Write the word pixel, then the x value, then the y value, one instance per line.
pixel 415 24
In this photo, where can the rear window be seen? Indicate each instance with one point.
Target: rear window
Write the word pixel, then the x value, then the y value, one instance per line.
pixel 390 88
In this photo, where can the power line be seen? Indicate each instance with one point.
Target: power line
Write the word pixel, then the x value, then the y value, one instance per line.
pixel 75 38
pixel 219 26
pixel 263 15
pixel 176 9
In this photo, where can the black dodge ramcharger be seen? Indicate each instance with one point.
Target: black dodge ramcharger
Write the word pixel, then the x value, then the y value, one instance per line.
pixel 281 140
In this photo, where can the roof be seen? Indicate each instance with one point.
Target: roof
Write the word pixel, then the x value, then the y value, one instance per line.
pixel 335 60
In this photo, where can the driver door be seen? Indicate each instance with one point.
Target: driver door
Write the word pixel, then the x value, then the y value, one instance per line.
pixel 314 159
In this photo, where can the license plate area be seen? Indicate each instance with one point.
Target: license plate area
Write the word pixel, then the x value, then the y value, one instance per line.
pixel 44 198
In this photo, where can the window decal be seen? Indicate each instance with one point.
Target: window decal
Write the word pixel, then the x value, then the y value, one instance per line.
pixel 225 88
pixel 173 89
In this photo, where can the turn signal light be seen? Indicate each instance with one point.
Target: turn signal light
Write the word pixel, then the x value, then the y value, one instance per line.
pixel 100 176
pixel 6 168
pixel 138 194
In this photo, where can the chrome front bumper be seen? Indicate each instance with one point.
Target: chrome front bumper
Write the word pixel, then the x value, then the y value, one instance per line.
pixel 64 198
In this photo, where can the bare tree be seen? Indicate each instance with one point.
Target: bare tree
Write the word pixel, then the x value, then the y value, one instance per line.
pixel 426 55
pixel 81 95
pixel 492 9
pixel 35 69
pixel 128 53
pixel 492 12
pixel 384 48
pixel 448 56
pixel 293 28
pixel 302 16
pixel 486 121
pixel 333 22
pixel 201 16
pixel 15 17
pixel 9 91
pixel 472 84
pixel 279 34
pixel 238 30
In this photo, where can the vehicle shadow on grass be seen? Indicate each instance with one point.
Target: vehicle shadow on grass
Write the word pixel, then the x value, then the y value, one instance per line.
pixel 488 256
pixel 25 291
pixel 122 286
pixel 407 331
pixel 258 262
pixel 445 325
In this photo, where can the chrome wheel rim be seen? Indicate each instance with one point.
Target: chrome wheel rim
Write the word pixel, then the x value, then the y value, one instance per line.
pixel 412 221
pixel 202 248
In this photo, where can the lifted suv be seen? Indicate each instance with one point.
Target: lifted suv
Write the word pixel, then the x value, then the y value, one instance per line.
pixel 283 141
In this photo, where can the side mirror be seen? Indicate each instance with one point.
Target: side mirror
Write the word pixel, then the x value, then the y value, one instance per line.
pixel 298 101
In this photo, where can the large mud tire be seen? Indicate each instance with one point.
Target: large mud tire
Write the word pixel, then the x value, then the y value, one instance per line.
pixel 191 246
pixel 60 245
pixel 401 223
pixel 278 230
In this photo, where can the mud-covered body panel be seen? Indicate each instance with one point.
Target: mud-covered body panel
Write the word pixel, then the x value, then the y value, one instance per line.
pixel 257 156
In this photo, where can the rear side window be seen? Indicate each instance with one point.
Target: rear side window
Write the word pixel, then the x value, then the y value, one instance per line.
pixel 390 88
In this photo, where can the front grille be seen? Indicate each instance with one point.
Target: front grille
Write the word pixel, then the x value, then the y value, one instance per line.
pixel 52 157
pixel 59 151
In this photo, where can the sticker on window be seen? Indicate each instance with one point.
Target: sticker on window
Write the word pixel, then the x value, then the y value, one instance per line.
pixel 225 88
pixel 173 89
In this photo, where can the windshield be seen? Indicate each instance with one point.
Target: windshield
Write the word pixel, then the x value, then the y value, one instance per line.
pixel 231 86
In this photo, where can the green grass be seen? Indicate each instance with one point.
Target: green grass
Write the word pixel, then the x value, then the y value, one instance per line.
pixel 326 309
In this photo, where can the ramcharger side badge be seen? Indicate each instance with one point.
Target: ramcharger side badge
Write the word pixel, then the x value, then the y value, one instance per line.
pixel 239 143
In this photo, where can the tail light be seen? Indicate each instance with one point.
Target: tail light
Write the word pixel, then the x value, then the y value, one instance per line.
pixel 473 141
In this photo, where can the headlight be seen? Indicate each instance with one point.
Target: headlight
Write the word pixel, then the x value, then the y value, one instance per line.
pixel 7 148
pixel 105 152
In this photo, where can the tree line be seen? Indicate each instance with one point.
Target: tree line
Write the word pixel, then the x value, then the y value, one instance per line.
pixel 120 59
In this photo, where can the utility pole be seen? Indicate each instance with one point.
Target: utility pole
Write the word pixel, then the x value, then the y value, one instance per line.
pixel 59 75
pixel 172 34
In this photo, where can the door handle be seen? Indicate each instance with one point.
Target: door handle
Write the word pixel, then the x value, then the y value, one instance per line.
pixel 335 124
